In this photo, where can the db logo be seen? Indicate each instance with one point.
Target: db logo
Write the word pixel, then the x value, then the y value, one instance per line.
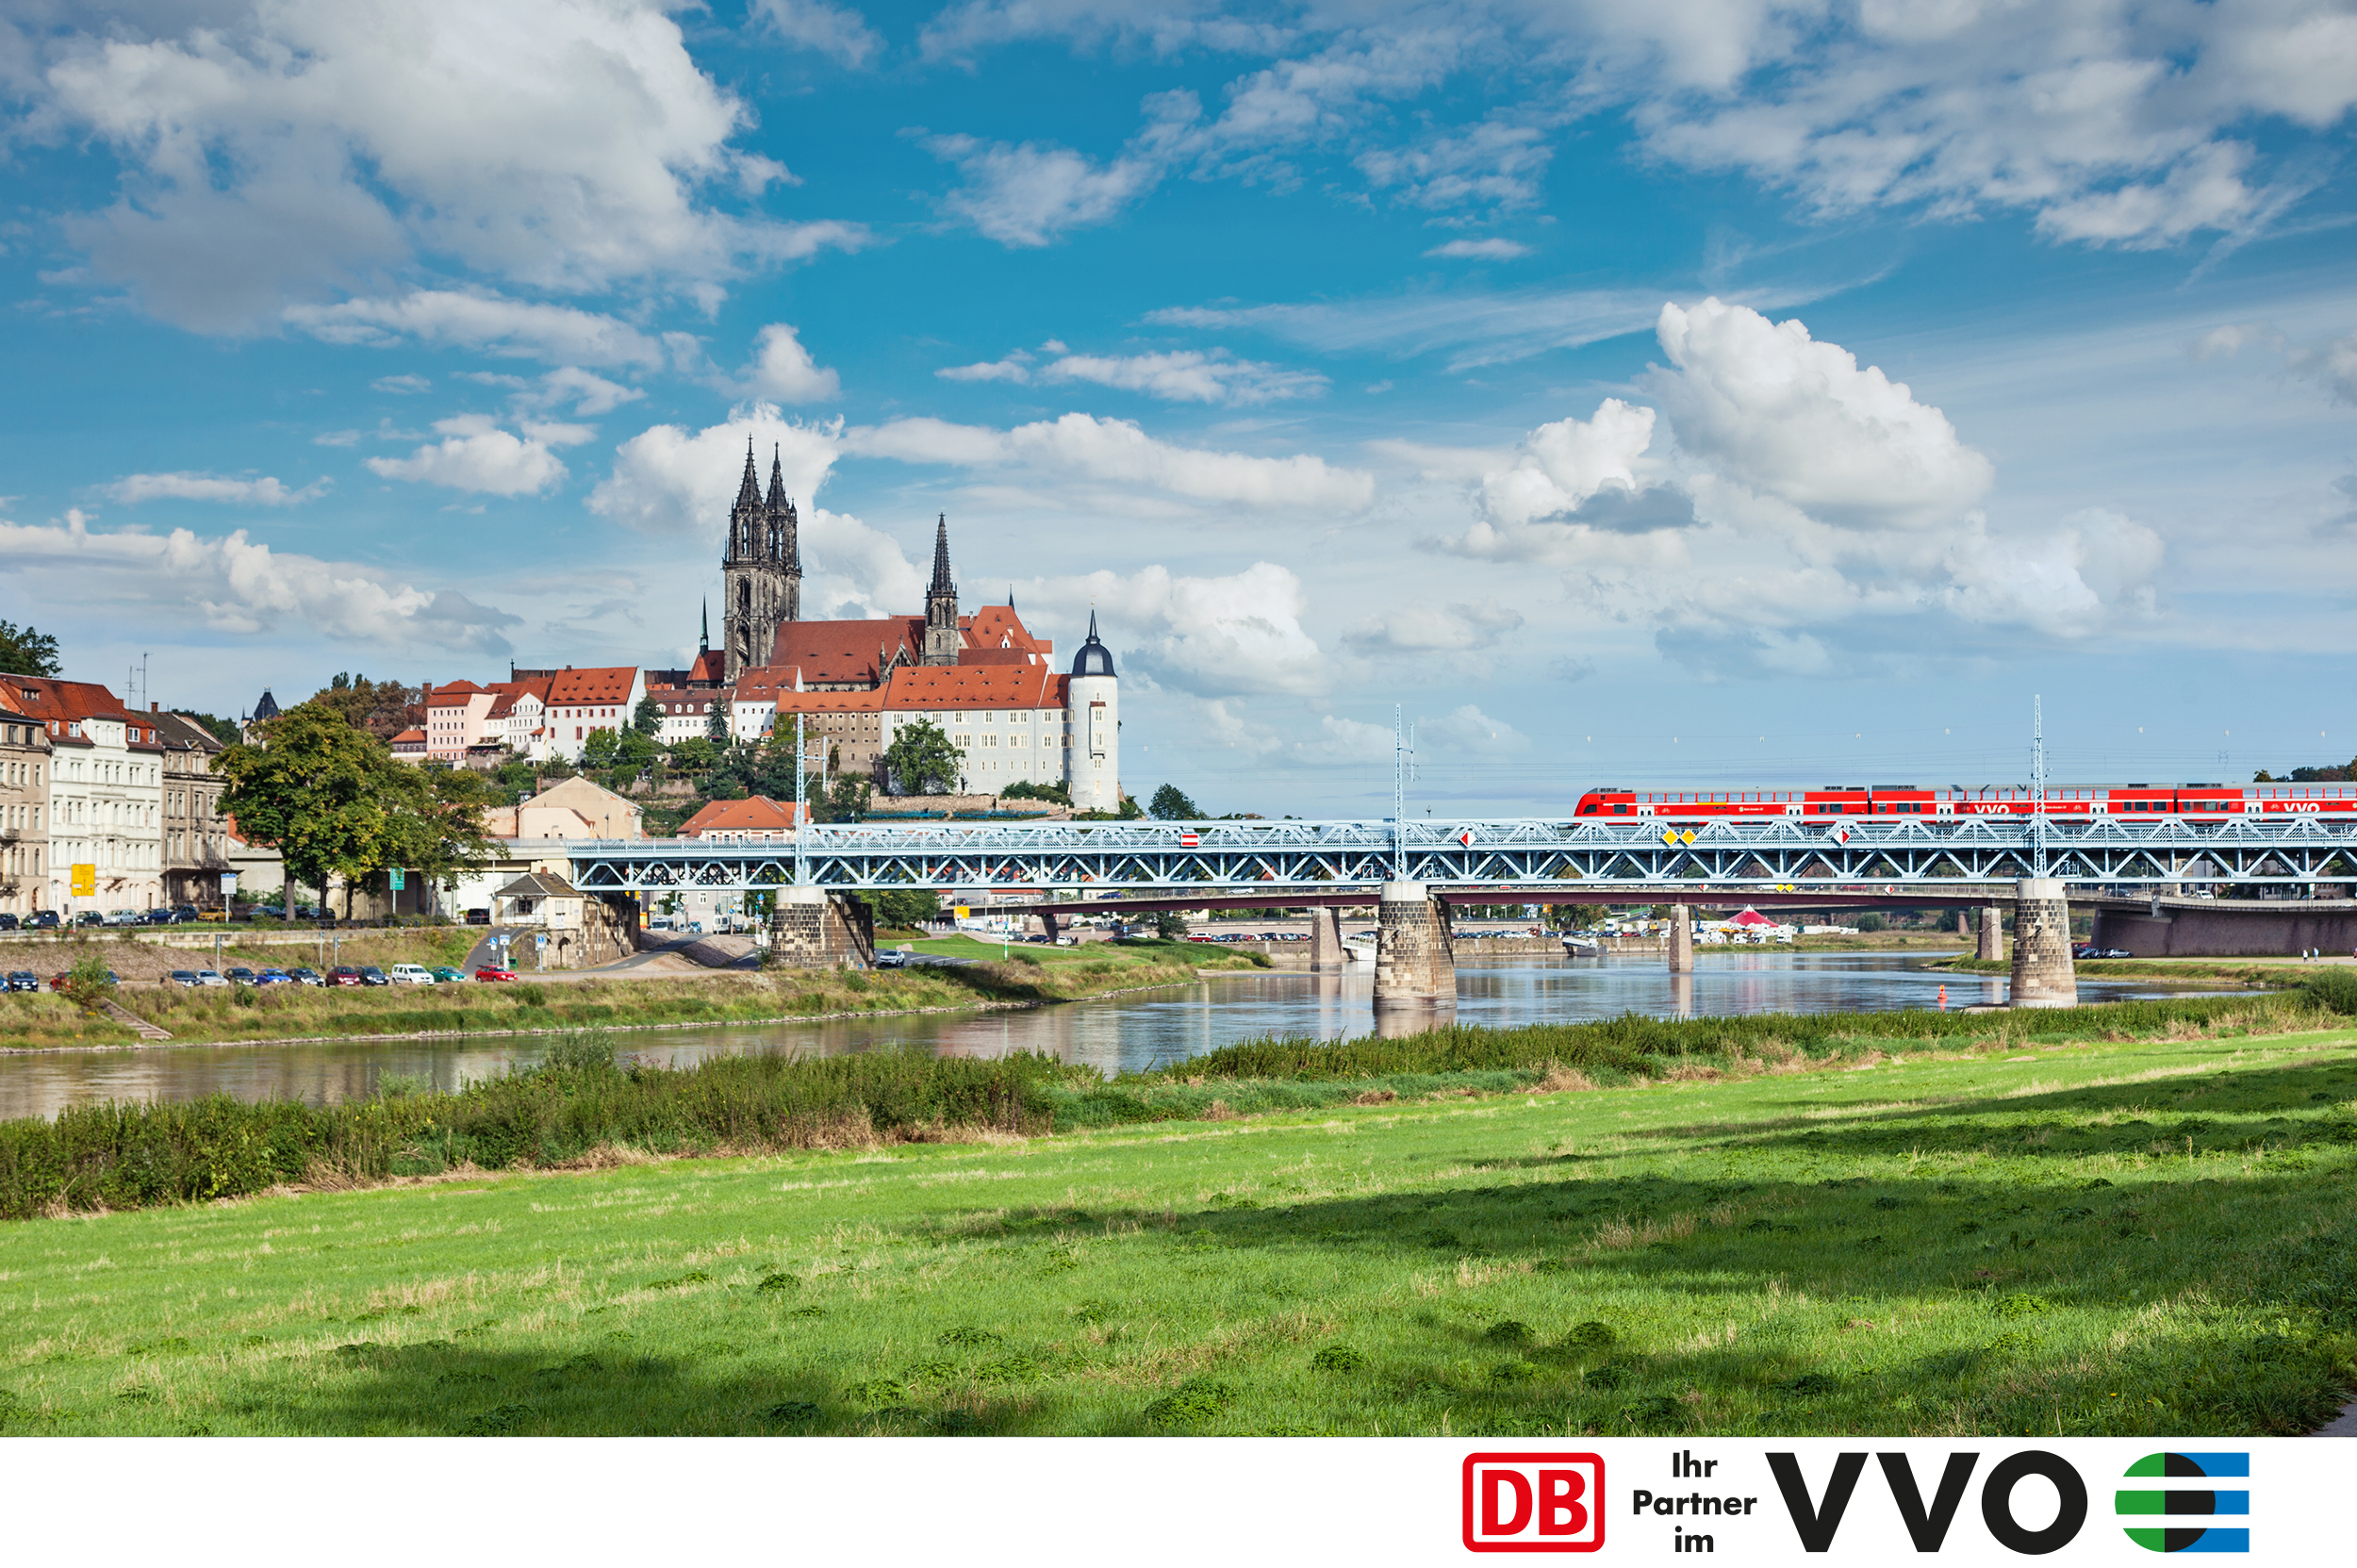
pixel 1533 1502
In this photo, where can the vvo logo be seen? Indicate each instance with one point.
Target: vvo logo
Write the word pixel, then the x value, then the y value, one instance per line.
pixel 2176 1518
pixel 1533 1502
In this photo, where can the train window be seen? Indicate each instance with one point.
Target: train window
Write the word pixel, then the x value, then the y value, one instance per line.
pixel 1621 809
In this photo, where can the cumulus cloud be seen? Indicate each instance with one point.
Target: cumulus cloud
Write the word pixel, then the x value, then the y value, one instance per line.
pixel 1211 637
pixel 278 152
pixel 1119 451
pixel 783 369
pixel 1015 367
pixel 233 584
pixel 1426 629
pixel 1768 406
pixel 838 32
pixel 137 487
pixel 1480 250
pixel 2333 365
pixel 1468 730
pixel 477 456
pixel 671 482
pixel 1028 195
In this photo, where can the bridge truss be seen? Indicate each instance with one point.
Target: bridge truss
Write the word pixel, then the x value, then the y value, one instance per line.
pixel 1622 861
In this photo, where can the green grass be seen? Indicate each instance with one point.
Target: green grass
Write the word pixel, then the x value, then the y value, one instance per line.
pixel 2090 1238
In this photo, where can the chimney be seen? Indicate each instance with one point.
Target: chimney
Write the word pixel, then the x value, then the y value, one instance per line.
pixel 154 707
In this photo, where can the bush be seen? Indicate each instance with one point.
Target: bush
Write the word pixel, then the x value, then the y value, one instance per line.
pixel 1871 922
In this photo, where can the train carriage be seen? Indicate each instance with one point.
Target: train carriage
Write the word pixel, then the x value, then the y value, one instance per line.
pixel 2130 803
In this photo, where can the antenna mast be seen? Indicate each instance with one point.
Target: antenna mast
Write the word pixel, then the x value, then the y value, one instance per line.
pixel 1403 768
pixel 2037 786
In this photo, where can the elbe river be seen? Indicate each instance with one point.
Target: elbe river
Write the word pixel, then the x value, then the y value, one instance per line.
pixel 1115 1033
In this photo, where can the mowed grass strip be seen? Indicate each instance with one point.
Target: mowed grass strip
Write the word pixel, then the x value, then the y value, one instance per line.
pixel 2086 1238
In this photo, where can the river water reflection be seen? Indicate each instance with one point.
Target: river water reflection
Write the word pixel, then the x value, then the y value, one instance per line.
pixel 1113 1033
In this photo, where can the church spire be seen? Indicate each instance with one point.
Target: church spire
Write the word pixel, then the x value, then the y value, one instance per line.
pixel 749 491
pixel 703 639
pixel 941 583
pixel 942 640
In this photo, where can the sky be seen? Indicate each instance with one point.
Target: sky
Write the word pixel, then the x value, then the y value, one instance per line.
pixel 1708 392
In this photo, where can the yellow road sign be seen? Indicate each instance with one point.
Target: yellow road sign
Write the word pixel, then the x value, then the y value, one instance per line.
pixel 963 912
pixel 85 879
pixel 1687 837
pixel 1669 835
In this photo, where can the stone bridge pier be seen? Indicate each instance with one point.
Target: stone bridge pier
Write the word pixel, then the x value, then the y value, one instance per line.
pixel 1992 948
pixel 1681 940
pixel 2042 971
pixel 812 930
pixel 1327 954
pixel 1415 962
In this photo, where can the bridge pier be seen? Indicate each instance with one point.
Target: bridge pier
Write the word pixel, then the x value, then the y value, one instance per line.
pixel 1992 948
pixel 1681 940
pixel 2042 972
pixel 1326 941
pixel 1415 964
pixel 810 930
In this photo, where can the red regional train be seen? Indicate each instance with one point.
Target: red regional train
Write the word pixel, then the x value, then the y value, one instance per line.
pixel 2211 801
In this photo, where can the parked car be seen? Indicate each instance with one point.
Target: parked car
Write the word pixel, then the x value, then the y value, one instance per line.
pixel 217 916
pixel 186 979
pixel 306 977
pixel 273 977
pixel 488 972
pixel 343 974
pixel 207 977
pixel 90 917
pixel 478 916
pixel 445 975
pixel 240 976
pixel 371 975
pixel 23 979
pixel 8 922
pixel 184 913
pixel 56 981
pixel 41 919
pixel 894 958
pixel 409 974
pixel 156 917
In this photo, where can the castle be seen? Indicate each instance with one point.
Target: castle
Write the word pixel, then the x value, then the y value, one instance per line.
pixel 983 678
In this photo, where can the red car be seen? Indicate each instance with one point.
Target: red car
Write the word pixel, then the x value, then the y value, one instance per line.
pixel 344 974
pixel 486 972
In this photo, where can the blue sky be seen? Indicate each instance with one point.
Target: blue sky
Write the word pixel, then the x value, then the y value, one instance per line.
pixel 1715 391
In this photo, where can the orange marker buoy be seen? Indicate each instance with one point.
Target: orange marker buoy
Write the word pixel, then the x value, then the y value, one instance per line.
pixel 1944 998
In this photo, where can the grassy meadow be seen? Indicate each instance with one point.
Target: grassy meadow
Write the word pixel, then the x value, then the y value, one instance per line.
pixel 1991 1232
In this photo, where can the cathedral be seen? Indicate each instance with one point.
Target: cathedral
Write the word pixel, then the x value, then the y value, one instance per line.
pixel 984 678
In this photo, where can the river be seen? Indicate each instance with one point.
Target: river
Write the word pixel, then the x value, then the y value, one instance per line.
pixel 1112 1033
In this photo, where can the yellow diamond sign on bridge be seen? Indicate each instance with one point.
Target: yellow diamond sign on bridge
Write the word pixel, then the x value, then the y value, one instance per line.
pixel 1687 837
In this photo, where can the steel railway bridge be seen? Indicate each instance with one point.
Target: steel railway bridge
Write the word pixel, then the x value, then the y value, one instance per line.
pixel 1925 859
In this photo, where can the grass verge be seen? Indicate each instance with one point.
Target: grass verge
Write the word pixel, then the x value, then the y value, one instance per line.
pixel 2090 1238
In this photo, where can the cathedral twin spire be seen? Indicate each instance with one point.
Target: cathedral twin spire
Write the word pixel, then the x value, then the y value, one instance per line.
pixel 765 529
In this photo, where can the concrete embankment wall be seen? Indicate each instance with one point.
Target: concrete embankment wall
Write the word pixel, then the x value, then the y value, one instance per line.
pixel 2242 932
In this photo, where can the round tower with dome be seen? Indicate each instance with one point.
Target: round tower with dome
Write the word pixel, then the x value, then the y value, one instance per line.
pixel 1092 707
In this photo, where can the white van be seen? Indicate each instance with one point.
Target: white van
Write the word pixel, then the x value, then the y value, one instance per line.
pixel 408 974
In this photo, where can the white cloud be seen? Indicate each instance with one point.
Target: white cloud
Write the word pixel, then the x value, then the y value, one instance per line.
pixel 1212 636
pixel 2224 342
pixel 1015 367
pixel 589 393
pixel 208 487
pixel 1418 630
pixel 1470 730
pixel 836 31
pixel 1480 250
pixel 1187 376
pixel 783 369
pixel 1029 195
pixel 402 385
pixel 674 483
pixel 278 152
pixel 1118 452
pixel 2334 364
pixel 1493 166
pixel 497 325
pixel 477 456
pixel 2072 581
pixel 1562 464
pixel 1767 406
pixel 234 584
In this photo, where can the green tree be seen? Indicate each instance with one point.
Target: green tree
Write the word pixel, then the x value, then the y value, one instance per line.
pixel 1172 804
pixel 1057 792
pixel 319 791
pixel 382 708
pixel 26 652
pixel 693 755
pixel 647 719
pixel 717 725
pixel 635 751
pixel 922 761
pixel 437 831
pixel 1171 926
pixel 847 801
pixel 904 909
pixel 88 984
pixel 600 749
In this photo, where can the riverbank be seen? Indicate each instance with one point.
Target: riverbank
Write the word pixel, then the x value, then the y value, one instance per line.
pixel 1978 1234
pixel 218 1016
pixel 2258 973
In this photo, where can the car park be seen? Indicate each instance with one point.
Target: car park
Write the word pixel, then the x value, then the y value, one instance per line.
pixel 23 979
pixel 371 975
pixel 306 977
pixel 185 979
pixel 488 972
pixel 445 975
pixel 408 974
pixel 343 974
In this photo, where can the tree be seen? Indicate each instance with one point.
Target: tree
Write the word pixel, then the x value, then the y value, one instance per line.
pixel 1171 804
pixel 922 761
pixel 600 749
pixel 847 802
pixel 716 726
pixel 437 828
pixel 693 755
pixel 1170 925
pixel 382 708
pixel 223 730
pixel 1058 792
pixel 26 652
pixel 904 910
pixel 319 791
pixel 635 751
pixel 89 983
pixel 647 719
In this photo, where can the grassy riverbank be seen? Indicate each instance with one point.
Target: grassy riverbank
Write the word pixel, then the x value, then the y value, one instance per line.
pixel 277 1013
pixel 2256 973
pixel 2091 1238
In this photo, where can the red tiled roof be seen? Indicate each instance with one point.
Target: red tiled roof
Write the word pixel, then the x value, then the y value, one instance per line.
pixel 413 738
pixel 997 626
pixel 609 683
pixel 61 704
pixel 758 814
pixel 1033 685
pixel 454 695
pixel 844 650
pixel 708 667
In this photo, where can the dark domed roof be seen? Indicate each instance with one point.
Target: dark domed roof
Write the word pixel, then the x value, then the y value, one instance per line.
pixel 266 708
pixel 1093 658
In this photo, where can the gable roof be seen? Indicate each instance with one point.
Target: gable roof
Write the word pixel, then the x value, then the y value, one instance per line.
pixel 61 704
pixel 757 814
pixel 964 686
pixel 607 684
pixel 539 884
pixel 178 729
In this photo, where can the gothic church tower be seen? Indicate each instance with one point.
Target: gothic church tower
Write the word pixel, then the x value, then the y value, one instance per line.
pixel 761 575
pixel 941 602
